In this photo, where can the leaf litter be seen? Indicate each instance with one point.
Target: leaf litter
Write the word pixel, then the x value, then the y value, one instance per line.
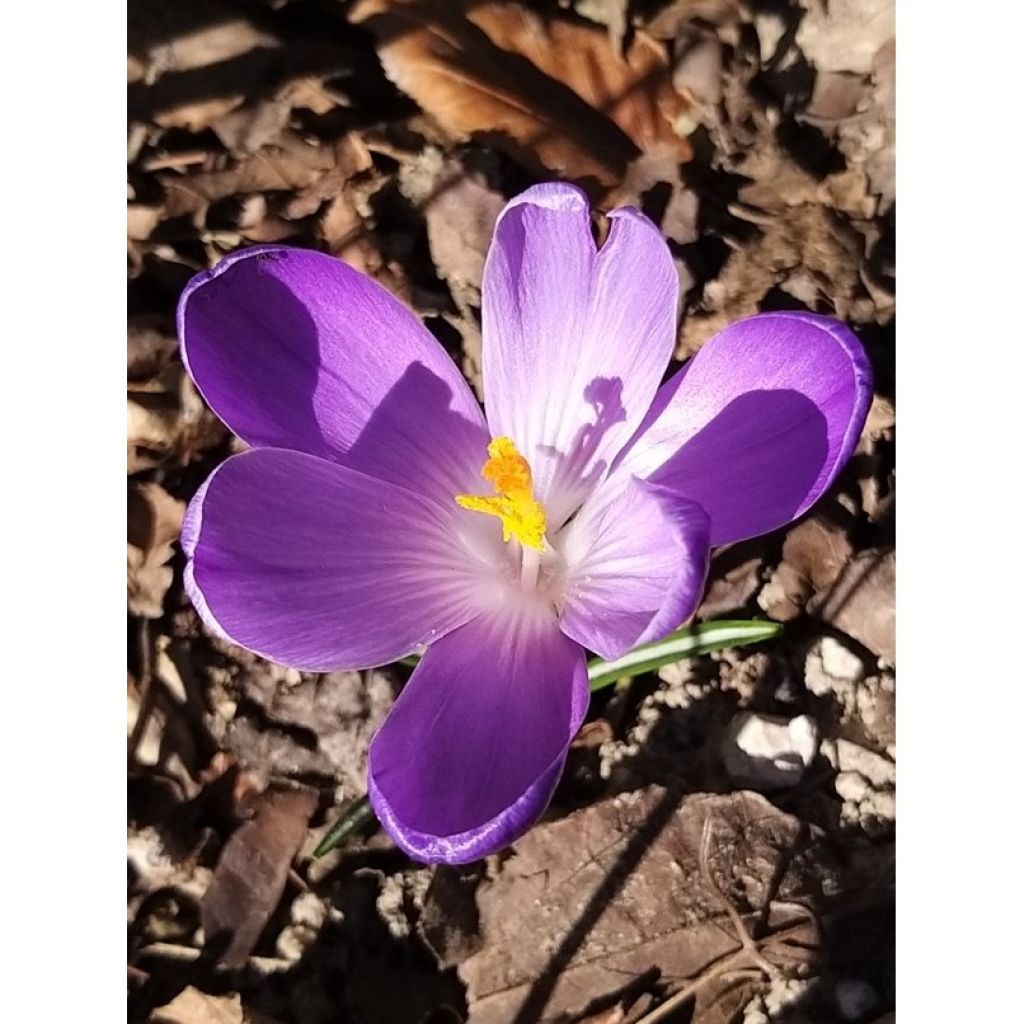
pixel 760 139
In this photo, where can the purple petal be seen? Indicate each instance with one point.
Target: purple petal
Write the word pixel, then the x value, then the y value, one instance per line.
pixel 637 561
pixel 295 349
pixel 758 424
pixel 471 752
pixel 321 567
pixel 575 340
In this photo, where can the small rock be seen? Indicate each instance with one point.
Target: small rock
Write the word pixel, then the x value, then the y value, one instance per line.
pixel 782 598
pixel 852 786
pixel 839 662
pixel 765 752
pixel 879 771
pixel 822 683
pixel 876 706
pixel 308 909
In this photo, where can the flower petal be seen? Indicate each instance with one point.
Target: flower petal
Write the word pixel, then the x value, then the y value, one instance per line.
pixel 321 567
pixel 471 752
pixel 295 349
pixel 575 340
pixel 758 424
pixel 637 560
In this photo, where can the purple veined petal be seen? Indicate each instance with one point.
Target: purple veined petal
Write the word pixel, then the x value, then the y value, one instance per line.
pixel 637 558
pixel 472 750
pixel 320 567
pixel 575 340
pixel 757 425
pixel 295 349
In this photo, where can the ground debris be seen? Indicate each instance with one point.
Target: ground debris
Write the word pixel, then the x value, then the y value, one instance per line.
pixel 586 905
pixel 251 873
pixel 551 91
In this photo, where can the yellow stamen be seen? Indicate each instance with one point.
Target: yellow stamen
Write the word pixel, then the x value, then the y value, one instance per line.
pixel 521 515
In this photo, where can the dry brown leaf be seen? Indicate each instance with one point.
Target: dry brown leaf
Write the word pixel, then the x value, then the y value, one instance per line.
pixel 552 92
pixel 345 234
pixel 167 420
pixel 142 221
pixel 322 723
pixel 154 522
pixel 730 590
pixel 677 16
pixel 220 35
pixel 819 550
pixel 588 904
pixel 289 164
pixel 259 123
pixel 653 183
pixel 845 35
pixel 863 602
pixel 805 251
pixel 151 347
pixel 460 213
pixel 813 555
pixel 190 1006
pixel 251 873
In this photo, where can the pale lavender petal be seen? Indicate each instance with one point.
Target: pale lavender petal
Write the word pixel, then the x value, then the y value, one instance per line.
pixel 757 425
pixel 575 340
pixel 637 560
pixel 320 567
pixel 471 752
pixel 295 349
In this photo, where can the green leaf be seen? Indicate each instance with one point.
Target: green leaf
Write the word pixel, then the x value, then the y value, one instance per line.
pixel 357 816
pixel 688 642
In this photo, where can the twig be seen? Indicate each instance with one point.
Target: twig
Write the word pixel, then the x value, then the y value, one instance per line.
pixel 742 934
pixel 145 654
pixel 189 954
pixel 687 992
pixel 747 960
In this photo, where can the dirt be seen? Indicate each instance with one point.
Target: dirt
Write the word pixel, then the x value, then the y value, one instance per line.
pixel 759 136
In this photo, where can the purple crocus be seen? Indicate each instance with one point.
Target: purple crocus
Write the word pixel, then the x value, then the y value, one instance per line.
pixel 380 513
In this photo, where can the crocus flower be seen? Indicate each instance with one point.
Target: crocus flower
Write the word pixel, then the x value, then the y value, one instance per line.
pixel 378 511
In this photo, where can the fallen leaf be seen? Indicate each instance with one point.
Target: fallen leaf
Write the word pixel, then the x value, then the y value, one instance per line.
pixel 251 873
pixel 814 553
pixel 259 123
pixel 653 183
pixel 154 522
pixel 318 723
pixel 142 221
pixel 152 344
pixel 161 39
pixel 460 215
pixel 587 904
pixel 553 93
pixel 863 602
pixel 730 590
pixel 677 16
pixel 345 235
pixel 190 1006
pixel 291 163
pixel 845 35
pixel 806 251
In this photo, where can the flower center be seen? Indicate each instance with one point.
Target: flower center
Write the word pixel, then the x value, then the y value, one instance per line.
pixel 521 515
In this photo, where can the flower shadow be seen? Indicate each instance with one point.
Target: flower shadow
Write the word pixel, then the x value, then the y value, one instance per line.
pixel 716 467
pixel 576 471
pixel 418 408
